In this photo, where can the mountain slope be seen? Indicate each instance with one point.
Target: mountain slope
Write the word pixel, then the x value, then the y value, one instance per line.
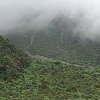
pixel 53 80
pixel 44 78
pixel 59 41
pixel 12 60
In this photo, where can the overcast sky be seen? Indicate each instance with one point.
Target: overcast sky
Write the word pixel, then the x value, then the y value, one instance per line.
pixel 24 13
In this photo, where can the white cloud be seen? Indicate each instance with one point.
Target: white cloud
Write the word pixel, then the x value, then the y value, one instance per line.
pixel 13 13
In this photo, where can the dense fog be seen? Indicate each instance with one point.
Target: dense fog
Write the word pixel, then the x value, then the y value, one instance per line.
pixel 28 14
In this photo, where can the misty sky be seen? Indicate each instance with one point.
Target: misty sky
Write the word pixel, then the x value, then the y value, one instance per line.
pixel 30 13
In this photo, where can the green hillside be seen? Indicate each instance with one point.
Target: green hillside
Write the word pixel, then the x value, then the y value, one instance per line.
pixel 12 60
pixel 42 78
pixel 53 80
pixel 63 67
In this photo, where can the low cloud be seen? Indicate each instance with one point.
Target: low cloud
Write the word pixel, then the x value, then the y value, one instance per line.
pixel 28 14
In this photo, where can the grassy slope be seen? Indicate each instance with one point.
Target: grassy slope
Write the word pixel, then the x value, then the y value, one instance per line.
pixel 52 80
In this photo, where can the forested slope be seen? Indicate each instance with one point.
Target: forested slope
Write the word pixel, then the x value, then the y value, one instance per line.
pixel 12 60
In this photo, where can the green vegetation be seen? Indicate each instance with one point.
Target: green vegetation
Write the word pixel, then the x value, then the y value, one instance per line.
pixel 12 60
pixel 33 74
pixel 53 80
